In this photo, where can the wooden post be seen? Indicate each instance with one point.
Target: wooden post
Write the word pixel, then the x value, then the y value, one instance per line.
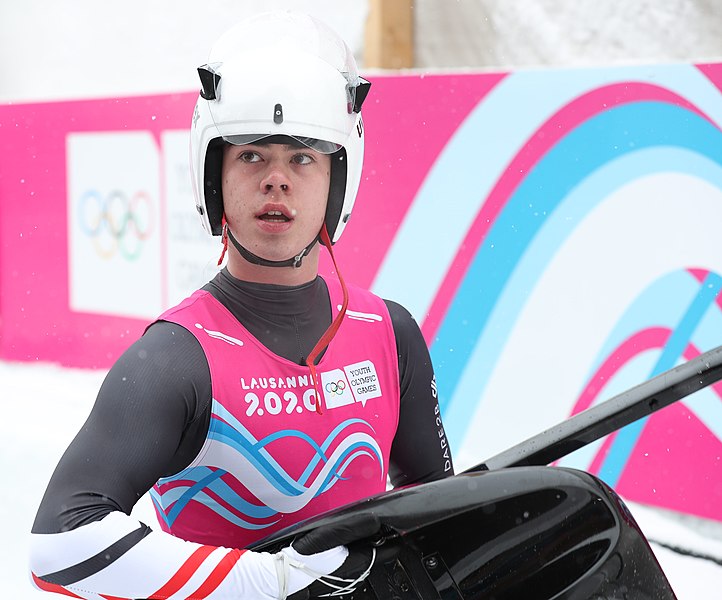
pixel 389 40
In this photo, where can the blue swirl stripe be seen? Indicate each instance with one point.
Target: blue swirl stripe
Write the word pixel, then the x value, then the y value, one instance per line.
pixel 677 288
pixel 484 145
pixel 625 440
pixel 228 431
pixel 558 225
pixel 320 450
pixel 178 497
pixel 584 150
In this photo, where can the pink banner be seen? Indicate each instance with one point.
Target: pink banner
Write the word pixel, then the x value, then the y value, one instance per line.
pixel 555 233
pixel 405 133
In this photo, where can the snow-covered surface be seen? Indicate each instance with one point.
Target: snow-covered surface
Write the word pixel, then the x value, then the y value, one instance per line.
pixel 44 405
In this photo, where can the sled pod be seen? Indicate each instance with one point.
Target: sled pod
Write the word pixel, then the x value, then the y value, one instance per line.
pixel 524 532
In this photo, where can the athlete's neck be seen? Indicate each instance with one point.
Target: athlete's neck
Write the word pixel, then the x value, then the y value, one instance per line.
pixel 268 299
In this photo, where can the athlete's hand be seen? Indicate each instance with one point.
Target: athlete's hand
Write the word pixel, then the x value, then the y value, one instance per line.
pixel 344 580
pixel 328 559
pixel 353 529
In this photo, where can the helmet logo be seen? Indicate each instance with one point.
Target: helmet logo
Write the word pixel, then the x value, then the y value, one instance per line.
pixel 278 114
pixel 360 127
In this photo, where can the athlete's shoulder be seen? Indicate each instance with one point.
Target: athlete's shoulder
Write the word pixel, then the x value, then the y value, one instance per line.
pixel 400 316
pixel 409 338
pixel 198 297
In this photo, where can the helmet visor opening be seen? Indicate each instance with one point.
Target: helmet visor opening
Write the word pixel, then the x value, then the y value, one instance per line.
pixel 321 146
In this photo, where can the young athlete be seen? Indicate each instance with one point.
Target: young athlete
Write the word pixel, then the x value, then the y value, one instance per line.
pixel 270 395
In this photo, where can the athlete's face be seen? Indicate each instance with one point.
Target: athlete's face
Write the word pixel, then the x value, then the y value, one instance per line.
pixel 275 196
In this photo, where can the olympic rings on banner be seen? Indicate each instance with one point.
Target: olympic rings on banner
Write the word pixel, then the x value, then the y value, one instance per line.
pixel 116 223
pixel 336 387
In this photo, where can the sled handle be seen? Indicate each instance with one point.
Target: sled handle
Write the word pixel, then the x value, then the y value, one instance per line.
pixel 611 415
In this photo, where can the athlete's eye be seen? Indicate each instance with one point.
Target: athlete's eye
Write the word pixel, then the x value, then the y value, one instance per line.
pixel 302 159
pixel 249 156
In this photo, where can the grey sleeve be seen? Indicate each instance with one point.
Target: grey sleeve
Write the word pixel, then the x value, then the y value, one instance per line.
pixel 149 418
pixel 420 451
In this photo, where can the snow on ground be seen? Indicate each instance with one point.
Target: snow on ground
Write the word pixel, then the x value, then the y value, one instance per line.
pixel 44 405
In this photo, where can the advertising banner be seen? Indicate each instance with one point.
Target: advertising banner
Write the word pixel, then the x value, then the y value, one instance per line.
pixel 556 233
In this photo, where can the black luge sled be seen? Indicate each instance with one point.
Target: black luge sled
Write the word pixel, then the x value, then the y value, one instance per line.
pixel 513 528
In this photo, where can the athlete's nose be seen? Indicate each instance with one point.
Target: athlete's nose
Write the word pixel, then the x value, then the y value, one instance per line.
pixel 275 180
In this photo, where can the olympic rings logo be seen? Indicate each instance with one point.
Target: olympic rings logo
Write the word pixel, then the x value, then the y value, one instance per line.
pixel 336 387
pixel 116 223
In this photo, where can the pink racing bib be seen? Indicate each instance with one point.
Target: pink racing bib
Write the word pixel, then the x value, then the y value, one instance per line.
pixel 269 459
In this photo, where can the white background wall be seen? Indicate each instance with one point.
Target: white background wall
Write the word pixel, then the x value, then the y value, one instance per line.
pixel 86 48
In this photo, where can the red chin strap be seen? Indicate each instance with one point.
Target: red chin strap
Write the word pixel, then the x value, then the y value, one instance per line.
pixel 332 329
pixel 224 239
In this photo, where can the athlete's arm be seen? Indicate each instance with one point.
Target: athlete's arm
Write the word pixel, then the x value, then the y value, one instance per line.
pixel 152 399
pixel 420 451
pixel 84 542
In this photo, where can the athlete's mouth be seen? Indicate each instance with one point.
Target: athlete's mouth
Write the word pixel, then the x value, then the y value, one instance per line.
pixel 276 212
pixel 275 216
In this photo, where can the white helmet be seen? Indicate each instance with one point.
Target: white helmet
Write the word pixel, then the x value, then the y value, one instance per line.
pixel 279 73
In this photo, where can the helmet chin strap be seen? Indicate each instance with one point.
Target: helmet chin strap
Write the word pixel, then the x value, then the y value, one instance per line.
pixel 294 261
